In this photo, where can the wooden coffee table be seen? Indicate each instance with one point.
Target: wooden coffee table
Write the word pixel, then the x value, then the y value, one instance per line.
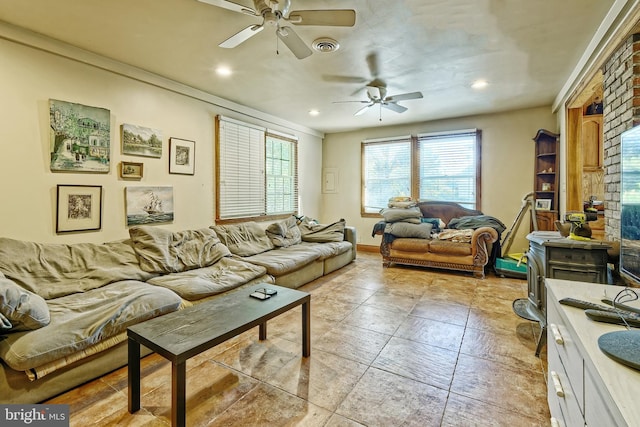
pixel 183 334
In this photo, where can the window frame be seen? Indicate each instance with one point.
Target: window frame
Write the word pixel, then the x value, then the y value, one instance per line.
pixel 415 164
pixel 264 216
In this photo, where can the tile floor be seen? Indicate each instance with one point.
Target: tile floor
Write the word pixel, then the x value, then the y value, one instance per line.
pixel 390 347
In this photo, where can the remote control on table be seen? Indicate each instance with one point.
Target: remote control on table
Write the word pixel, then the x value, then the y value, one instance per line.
pixel 585 305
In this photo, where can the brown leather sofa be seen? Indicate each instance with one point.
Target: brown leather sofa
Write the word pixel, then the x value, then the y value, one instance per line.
pixel 470 256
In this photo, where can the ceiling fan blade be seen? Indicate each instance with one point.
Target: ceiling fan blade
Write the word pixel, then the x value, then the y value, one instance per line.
pixel 343 79
pixel 404 96
pixel 293 42
pixel 242 36
pixel 363 109
pixel 231 6
pixel 373 64
pixel 329 17
pixel 344 102
pixel 394 107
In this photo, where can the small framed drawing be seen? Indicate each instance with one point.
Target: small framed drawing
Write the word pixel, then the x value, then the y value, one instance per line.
pixel 79 208
pixel 131 170
pixel 543 204
pixel 182 156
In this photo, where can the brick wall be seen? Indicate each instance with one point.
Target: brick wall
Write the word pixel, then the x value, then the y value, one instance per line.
pixel 621 100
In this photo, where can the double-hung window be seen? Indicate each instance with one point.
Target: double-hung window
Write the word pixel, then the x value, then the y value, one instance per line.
pixel 441 166
pixel 256 172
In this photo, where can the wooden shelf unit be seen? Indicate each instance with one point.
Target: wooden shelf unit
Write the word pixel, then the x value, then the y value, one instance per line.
pixel 546 177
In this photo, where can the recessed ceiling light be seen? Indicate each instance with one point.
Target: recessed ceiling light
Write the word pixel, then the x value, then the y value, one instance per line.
pixel 223 71
pixel 314 112
pixel 479 84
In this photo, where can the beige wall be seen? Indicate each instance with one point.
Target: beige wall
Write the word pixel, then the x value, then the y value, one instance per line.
pixel 507 165
pixel 30 77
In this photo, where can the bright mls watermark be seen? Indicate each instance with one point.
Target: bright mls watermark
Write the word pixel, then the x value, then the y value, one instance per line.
pixel 34 415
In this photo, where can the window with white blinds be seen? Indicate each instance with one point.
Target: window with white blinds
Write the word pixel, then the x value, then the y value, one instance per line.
pixel 435 166
pixel 256 171
pixel 386 170
pixel 449 167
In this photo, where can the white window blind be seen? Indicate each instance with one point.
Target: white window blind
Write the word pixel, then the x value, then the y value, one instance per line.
pixel 386 171
pixel 241 170
pixel 257 172
pixel 449 166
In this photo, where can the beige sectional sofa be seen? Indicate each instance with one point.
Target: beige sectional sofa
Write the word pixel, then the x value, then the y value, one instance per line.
pixel 64 309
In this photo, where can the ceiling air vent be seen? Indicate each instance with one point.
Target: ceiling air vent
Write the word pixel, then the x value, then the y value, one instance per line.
pixel 325 45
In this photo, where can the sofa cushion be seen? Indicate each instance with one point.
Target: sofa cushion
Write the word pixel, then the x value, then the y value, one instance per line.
pixel 405 229
pixel 54 270
pixel 244 239
pixel 162 251
pixel 285 260
pixel 312 232
pixel 81 320
pixel 328 249
pixel 284 233
pixel 226 274
pixel 449 248
pixel 21 310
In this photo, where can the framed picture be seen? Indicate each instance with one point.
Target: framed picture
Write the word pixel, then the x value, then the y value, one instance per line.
pixel 543 204
pixel 141 141
pixel 149 205
pixel 79 208
pixel 182 156
pixel 80 137
pixel 131 170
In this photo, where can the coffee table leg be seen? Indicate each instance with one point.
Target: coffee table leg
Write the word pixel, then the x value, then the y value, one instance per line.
pixel 306 328
pixel 134 375
pixel 262 331
pixel 178 394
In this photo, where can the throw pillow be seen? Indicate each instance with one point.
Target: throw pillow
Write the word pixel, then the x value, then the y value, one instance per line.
pixel 400 214
pixel 20 309
pixel 321 233
pixel 244 239
pixel 284 233
pixel 405 229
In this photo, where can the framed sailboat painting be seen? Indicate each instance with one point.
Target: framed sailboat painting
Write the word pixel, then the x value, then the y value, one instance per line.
pixel 149 205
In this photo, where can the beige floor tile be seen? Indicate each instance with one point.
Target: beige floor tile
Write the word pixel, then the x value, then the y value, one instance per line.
pixel 384 399
pixel 502 386
pixel 393 300
pixel 449 312
pixel 432 332
pixel 323 379
pixel 268 406
pixel 375 319
pixel 464 411
pixel 350 342
pixel 418 361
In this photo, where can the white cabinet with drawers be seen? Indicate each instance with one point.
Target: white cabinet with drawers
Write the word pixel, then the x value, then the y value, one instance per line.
pixel 586 387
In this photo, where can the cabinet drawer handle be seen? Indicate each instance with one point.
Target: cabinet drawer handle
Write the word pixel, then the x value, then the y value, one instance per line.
pixel 555 422
pixel 556 384
pixel 557 336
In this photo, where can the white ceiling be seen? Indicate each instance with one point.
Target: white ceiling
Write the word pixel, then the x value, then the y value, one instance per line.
pixel 526 49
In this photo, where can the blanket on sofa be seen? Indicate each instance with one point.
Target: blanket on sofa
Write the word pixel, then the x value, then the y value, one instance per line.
pixel 54 270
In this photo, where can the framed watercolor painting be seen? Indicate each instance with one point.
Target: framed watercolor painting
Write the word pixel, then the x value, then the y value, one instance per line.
pixel 80 137
pixel 149 205
pixel 79 208
pixel 141 141
pixel 543 204
pixel 182 156
pixel 131 170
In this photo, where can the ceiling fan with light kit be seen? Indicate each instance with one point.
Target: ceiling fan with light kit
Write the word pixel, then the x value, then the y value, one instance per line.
pixel 376 90
pixel 273 12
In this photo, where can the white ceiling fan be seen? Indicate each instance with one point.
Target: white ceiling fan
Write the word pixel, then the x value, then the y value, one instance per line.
pixel 275 11
pixel 378 96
